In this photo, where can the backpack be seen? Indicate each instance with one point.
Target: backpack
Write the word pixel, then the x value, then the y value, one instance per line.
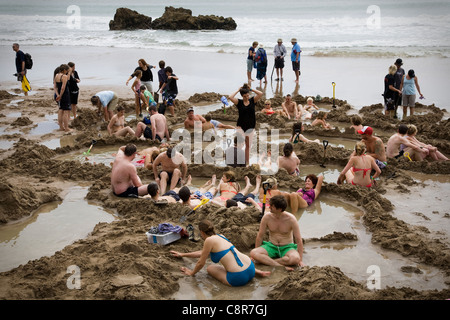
pixel 28 61
pixel 261 56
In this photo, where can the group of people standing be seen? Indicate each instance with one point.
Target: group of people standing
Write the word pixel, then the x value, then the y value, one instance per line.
pixel 257 59
pixel 66 92
pixel 400 89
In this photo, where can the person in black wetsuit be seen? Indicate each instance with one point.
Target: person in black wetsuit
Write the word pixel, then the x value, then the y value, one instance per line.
pixel 247 117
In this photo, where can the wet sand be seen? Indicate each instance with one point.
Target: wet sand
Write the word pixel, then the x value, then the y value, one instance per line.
pixel 346 222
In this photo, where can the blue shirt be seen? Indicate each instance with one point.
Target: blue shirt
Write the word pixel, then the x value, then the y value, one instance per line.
pixel 409 86
pixel 105 97
pixel 295 50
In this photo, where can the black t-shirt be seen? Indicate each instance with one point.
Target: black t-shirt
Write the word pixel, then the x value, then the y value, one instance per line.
pixel 389 80
pixel 172 85
pixel 20 57
pixel 398 77
pixel 73 85
pixel 247 117
pixel 147 75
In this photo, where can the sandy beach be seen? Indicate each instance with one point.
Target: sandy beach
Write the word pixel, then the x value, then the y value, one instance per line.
pixel 401 226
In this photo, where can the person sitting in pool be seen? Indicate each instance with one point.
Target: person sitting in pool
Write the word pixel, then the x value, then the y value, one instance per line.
pixel 361 165
pixel 321 120
pixel 304 197
pixel 432 151
pixel 237 268
pixel 397 144
pixel 283 228
pixel 272 190
pixel 356 123
pixel 307 113
pixel 228 188
pixel 124 179
pixel 174 169
pixel 214 124
pixel 150 154
pixel 116 125
pixel 208 190
pixel 289 161
pixel 297 136
pixel 267 110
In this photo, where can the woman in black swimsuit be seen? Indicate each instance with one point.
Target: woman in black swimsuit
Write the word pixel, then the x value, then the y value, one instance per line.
pixel 247 117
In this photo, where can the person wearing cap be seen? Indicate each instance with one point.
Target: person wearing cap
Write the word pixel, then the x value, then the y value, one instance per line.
pixel 108 100
pixel 192 118
pixel 279 52
pixel 408 88
pixel 374 146
pixel 295 58
pixel 280 250
pixel 398 144
pixel 398 78
pixel 261 64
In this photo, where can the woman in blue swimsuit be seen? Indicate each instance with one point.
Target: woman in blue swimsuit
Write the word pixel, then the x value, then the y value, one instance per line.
pixel 237 268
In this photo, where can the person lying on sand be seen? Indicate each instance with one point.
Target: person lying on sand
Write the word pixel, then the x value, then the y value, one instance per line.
pixel 283 228
pixel 240 199
pixel 214 124
pixel 237 269
pixel 208 190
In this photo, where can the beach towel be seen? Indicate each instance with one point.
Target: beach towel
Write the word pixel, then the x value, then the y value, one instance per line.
pixel 167 227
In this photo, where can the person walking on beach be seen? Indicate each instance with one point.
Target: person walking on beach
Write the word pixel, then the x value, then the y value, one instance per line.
pixel 63 97
pixel 295 58
pixel 147 75
pixel 261 64
pixel 247 114
pixel 171 89
pixel 74 79
pixel 236 268
pixel 124 179
pixel 21 70
pixel 408 88
pixel 250 60
pixel 108 101
pixel 279 52
pixel 283 228
pixel 398 78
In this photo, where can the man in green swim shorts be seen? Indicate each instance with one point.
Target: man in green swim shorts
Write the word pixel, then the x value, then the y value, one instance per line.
pixel 283 229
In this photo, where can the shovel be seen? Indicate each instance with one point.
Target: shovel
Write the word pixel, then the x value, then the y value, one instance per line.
pixel 325 144
pixel 87 152
pixel 204 200
pixel 334 85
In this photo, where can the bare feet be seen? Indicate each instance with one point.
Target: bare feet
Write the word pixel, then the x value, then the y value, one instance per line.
pixel 213 180
pixel 247 181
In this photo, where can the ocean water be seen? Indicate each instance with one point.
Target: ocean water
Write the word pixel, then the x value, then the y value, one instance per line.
pixel 323 28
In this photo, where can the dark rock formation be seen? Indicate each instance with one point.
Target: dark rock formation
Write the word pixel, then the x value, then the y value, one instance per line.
pixel 126 19
pixel 182 19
